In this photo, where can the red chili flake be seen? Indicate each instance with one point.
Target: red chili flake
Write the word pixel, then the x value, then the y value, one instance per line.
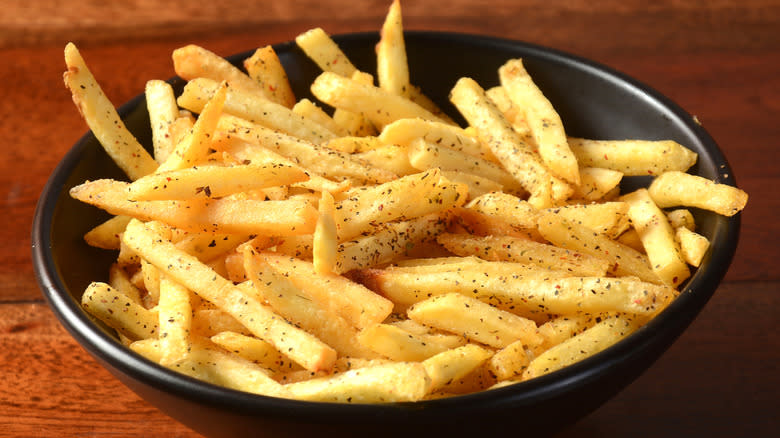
pixel 674 279
pixel 335 61
pixel 638 302
pixel 605 157
pixel 168 178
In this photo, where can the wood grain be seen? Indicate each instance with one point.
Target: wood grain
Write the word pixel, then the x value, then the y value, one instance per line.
pixel 719 60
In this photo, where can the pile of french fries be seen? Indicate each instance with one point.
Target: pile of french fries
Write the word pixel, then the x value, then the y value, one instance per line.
pixel 377 252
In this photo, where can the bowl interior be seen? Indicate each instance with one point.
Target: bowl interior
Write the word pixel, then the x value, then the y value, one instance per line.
pixel 593 101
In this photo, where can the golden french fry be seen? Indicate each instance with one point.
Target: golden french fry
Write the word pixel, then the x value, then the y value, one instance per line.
pixel 288 217
pixel 119 279
pixel 175 315
pixel 391 157
pixel 192 61
pixel 681 217
pixel 477 185
pixel 609 218
pixel 586 344
pixel 295 305
pixel 310 110
pixel 323 161
pixel 516 212
pixel 424 155
pixel 388 243
pixel 674 188
pixel 544 121
pixel 596 183
pixel 254 350
pixel 385 383
pixel 194 147
pixel 392 69
pixel 510 361
pixel 693 245
pixel 474 319
pixel 102 118
pixel 325 243
pixel 402 132
pixel 454 364
pixel 254 108
pixel 657 238
pixel 161 104
pixel 633 157
pixel 523 250
pixel 206 362
pixel 357 304
pixel 119 312
pixel 514 153
pixel 106 235
pixel 373 103
pixel 325 52
pixel 267 70
pixel 302 347
pixel 212 181
pixel 397 344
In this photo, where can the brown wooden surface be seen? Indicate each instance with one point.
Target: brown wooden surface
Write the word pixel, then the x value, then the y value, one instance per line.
pixel 720 60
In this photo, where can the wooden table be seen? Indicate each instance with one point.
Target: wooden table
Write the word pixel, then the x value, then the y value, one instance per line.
pixel 721 62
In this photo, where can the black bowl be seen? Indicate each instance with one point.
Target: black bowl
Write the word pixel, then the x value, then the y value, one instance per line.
pixel 593 101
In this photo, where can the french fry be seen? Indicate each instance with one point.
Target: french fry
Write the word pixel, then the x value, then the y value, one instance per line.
pixel 266 69
pixel 657 238
pixel 633 157
pixel 219 216
pixel 208 363
pixel 323 161
pixel 175 314
pixel 510 361
pixel 119 279
pixel 295 304
pixel 325 241
pixel 318 46
pixel 192 61
pixel 545 123
pixel 403 198
pixel 212 181
pixel 587 343
pixel 474 319
pixel 119 311
pixel 386 383
pixel 681 217
pixel 624 261
pixel 194 147
pixel 391 157
pixel 477 185
pixel 609 218
pixel 596 183
pixel 254 350
pixel 693 245
pixel 375 104
pixel 424 155
pixel 402 132
pixel 392 69
pixel 310 110
pixel 516 212
pixel 244 152
pixel 106 235
pixel 454 364
pixel 359 305
pixel 161 104
pixel 397 344
pixel 254 108
pixel 302 347
pixel 675 188
pixel 523 250
pixel 515 154
pixel 387 244
pixel 101 117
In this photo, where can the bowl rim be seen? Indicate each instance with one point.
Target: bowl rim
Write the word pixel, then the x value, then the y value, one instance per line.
pixel 672 320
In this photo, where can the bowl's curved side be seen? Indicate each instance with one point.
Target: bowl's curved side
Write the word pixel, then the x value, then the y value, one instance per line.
pixel 584 93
